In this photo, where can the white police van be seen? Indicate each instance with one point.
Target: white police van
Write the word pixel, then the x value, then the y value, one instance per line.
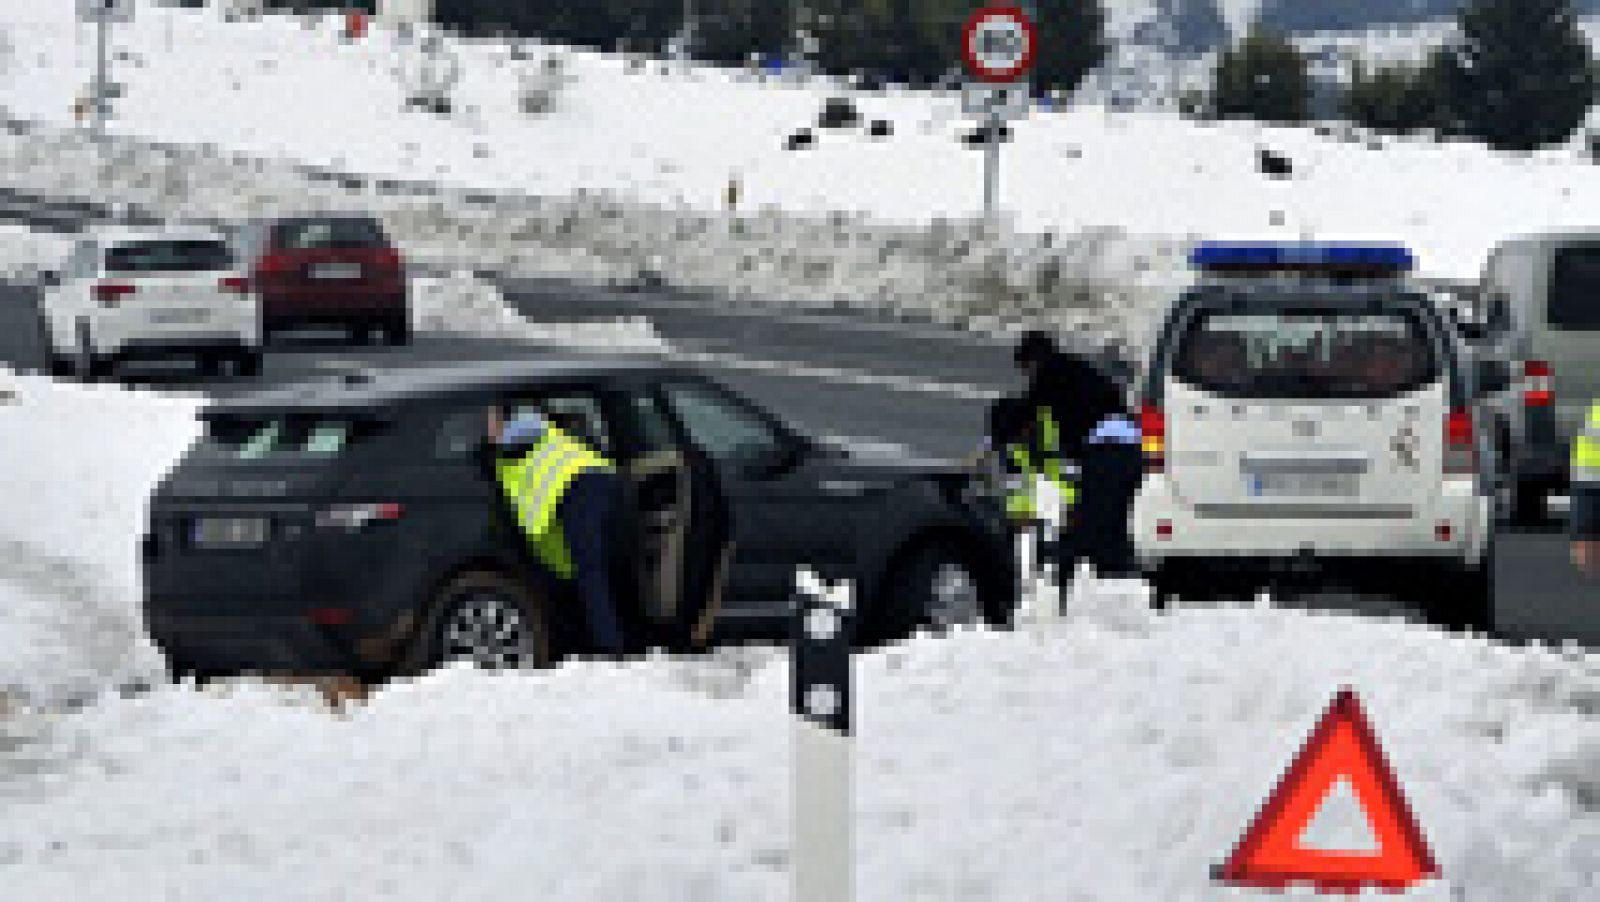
pixel 1307 417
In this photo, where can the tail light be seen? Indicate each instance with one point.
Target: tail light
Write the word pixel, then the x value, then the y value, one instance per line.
pixel 233 284
pixel 352 517
pixel 1153 432
pixel 109 293
pixel 387 258
pixel 1536 387
pixel 274 264
pixel 1460 447
pixel 331 616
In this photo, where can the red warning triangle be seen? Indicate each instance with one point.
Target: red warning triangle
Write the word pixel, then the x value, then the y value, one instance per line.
pixel 1274 852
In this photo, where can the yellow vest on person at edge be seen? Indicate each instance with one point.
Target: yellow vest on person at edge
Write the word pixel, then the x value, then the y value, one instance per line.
pixel 1021 501
pixel 535 483
pixel 1586 450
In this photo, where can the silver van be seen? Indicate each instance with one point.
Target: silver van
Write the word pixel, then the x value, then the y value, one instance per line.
pixel 1539 309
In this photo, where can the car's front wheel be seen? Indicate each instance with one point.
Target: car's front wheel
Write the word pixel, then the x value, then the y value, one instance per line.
pixel 489 621
pixel 935 588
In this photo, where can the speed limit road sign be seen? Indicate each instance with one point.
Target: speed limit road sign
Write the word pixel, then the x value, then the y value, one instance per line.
pixel 997 44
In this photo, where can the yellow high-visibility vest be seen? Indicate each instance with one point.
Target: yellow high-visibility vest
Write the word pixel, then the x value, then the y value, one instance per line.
pixel 536 482
pixel 1586 450
pixel 1021 502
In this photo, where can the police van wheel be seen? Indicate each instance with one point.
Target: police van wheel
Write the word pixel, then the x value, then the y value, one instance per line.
pixel 1528 503
pixel 488 621
pixel 1460 598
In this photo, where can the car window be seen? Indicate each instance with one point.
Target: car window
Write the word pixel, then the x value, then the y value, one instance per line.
pixel 1574 283
pixel 1306 353
pixel 327 234
pixel 724 428
pixel 459 433
pixel 651 422
pixel 577 414
pixel 168 256
pixel 276 438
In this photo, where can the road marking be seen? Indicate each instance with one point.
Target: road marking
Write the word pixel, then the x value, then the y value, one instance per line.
pixel 963 391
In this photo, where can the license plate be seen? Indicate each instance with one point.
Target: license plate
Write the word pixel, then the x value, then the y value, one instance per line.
pixel 1325 485
pixel 171 317
pixel 335 271
pixel 214 532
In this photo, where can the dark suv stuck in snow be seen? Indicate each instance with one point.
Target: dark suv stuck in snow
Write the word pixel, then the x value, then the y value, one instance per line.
pixel 346 526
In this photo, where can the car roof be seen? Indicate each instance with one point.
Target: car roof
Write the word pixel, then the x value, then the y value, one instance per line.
pixel 107 236
pixel 376 390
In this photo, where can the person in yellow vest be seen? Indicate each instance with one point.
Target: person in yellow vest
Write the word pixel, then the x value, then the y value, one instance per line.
pixel 1584 513
pixel 565 497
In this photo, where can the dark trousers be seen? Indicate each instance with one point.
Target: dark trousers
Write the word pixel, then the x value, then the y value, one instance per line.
pixel 1097 529
pixel 586 512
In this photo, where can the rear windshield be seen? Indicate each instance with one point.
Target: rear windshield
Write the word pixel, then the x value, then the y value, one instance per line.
pixel 279 438
pixel 327 234
pixel 168 256
pixel 1574 284
pixel 1307 353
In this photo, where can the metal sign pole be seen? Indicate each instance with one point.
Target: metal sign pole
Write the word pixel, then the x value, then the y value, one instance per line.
pixel 101 25
pixel 822 790
pixel 991 167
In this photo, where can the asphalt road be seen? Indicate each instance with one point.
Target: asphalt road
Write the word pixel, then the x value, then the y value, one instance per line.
pixel 920 386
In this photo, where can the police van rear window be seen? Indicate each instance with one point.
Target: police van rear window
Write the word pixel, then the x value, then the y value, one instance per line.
pixel 1575 289
pixel 279 438
pixel 1306 353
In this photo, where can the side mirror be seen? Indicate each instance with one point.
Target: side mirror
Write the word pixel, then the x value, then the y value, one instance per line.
pixel 1491 376
pixel 49 278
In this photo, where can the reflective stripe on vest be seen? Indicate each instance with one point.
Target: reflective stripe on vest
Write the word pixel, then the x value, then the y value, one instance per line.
pixel 1586 450
pixel 1020 500
pixel 536 483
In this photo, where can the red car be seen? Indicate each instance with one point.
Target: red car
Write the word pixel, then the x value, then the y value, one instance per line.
pixel 327 270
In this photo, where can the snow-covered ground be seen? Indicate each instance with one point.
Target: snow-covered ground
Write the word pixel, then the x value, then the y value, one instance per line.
pixel 1113 756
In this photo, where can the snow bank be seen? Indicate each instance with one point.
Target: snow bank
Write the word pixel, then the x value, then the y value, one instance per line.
pixel 1110 758
pixel 464 304
pixel 24 252
pixel 77 464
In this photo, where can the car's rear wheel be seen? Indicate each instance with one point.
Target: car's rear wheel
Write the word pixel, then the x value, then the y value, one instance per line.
pixel 489 621
pixel 1529 503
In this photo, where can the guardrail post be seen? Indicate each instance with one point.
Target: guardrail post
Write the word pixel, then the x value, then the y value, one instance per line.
pixel 820 638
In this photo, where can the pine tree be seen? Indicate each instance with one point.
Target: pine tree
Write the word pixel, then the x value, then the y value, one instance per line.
pixel 1398 98
pixel 1262 77
pixel 1521 74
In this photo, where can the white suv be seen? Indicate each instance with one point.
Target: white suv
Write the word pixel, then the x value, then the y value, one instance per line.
pixel 127 294
pixel 1307 415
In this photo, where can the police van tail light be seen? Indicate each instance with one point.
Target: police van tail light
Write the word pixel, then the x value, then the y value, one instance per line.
pixel 1460 449
pixel 352 517
pixel 1536 387
pixel 1153 438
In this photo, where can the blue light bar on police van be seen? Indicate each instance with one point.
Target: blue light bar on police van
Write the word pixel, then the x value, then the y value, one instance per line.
pixel 1303 257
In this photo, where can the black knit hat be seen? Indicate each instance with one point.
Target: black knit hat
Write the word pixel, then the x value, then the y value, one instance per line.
pixel 1036 345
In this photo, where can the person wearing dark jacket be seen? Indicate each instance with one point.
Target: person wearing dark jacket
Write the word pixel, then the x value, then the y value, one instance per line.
pixel 1100 437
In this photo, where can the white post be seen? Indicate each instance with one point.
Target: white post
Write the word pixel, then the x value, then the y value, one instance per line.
pixel 822 788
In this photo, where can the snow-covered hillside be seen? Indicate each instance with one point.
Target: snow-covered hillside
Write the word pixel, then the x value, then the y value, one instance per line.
pixel 277 89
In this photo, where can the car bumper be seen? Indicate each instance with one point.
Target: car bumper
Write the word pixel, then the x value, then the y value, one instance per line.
pixel 332 307
pixel 259 644
pixel 1165 527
